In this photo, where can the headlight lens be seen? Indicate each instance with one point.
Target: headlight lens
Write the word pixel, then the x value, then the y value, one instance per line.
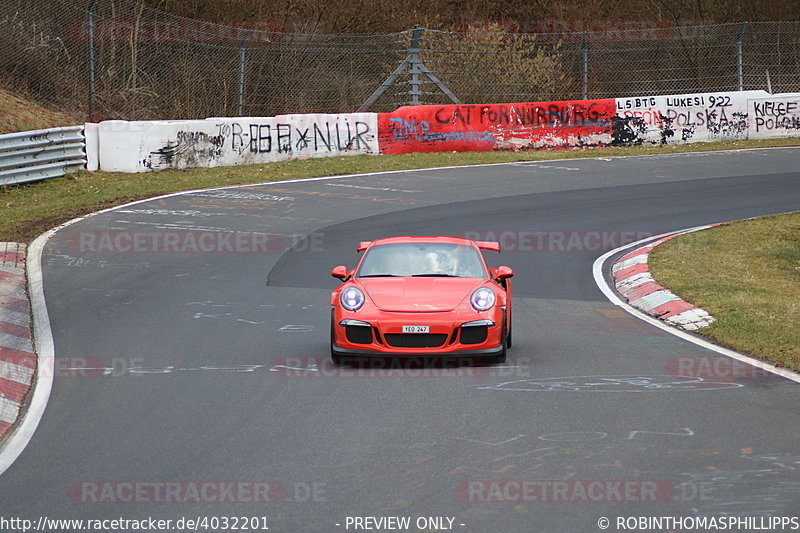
pixel 483 299
pixel 352 298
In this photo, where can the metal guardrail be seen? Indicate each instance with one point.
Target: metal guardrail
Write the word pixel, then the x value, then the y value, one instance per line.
pixel 41 154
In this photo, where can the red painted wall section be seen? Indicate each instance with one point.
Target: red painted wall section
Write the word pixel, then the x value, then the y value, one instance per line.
pixel 485 127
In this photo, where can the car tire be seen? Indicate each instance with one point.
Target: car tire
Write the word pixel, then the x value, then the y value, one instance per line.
pixel 499 358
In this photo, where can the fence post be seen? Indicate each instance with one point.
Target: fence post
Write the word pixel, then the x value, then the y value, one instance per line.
pixel 242 65
pixel 90 53
pixel 585 85
pixel 739 40
pixel 414 62
pixel 416 67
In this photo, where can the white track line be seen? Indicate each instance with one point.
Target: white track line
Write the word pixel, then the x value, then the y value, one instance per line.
pixel 24 429
pixel 610 293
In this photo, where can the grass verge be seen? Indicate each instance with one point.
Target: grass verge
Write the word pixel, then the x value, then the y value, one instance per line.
pixel 18 114
pixel 746 274
pixel 28 210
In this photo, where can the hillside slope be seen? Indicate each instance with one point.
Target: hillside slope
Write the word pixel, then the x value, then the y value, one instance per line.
pixel 19 114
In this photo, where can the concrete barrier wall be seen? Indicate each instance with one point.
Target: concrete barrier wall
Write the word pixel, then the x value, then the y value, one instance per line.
pixel 631 121
pixel 683 118
pixel 155 145
pixel 775 115
pixel 519 126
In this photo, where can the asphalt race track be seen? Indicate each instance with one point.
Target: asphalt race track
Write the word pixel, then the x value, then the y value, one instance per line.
pixel 196 368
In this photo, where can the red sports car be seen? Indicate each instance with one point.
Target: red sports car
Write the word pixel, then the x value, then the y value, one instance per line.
pixel 422 296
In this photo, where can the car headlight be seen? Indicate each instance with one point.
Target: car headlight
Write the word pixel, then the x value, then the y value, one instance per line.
pixel 483 299
pixel 352 298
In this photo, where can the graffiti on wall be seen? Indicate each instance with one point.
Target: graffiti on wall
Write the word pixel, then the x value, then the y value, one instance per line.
pixel 681 118
pixel 288 138
pixel 486 127
pixel 222 142
pixel 449 128
pixel 775 117
pixel 188 150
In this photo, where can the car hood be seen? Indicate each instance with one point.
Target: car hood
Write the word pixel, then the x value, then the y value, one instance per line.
pixel 421 294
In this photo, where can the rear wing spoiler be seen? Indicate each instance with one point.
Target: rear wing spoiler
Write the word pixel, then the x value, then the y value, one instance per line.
pixel 493 246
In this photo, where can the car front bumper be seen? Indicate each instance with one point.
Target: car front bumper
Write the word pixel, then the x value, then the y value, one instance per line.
pixel 450 333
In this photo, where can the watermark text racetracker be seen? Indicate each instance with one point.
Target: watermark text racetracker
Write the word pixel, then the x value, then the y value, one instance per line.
pixel 70 366
pixel 196 492
pixel 313 367
pixel 565 240
pixel 383 367
pixel 190 241
pixel 706 366
pixel 177 31
pixel 580 490
pixel 573 490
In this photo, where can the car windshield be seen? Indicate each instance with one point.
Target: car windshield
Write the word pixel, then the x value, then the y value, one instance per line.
pixel 422 259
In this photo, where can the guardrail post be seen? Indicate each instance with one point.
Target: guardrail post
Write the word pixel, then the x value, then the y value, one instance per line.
pixel 739 40
pixel 90 53
pixel 242 65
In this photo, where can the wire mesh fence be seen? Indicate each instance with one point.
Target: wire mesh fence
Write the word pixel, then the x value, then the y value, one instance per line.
pixel 121 59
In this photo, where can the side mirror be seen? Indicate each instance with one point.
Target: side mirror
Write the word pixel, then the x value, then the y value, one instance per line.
pixel 340 272
pixel 504 272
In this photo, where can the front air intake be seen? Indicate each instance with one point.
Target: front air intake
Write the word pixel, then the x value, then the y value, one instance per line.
pixel 474 334
pixel 415 340
pixel 358 334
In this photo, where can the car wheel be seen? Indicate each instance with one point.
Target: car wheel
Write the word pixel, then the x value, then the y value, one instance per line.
pixel 499 358
pixel 508 338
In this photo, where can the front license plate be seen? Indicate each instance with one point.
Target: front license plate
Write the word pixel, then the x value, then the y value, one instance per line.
pixel 416 329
